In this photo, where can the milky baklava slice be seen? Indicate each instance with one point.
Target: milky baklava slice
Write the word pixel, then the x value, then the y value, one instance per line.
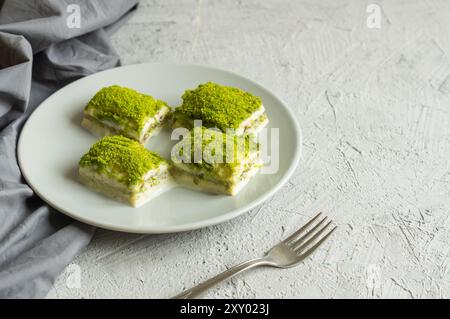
pixel 221 107
pixel 123 169
pixel 117 110
pixel 215 162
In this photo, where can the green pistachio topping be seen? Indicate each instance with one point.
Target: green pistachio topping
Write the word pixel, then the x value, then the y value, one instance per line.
pixel 215 153
pixel 122 158
pixel 124 106
pixel 218 106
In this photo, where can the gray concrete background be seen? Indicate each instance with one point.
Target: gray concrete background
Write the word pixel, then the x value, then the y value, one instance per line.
pixel 374 106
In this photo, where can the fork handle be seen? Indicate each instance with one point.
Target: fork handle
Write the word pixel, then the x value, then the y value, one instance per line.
pixel 201 288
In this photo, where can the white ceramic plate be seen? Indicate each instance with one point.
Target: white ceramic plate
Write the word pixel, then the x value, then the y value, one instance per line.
pixel 52 141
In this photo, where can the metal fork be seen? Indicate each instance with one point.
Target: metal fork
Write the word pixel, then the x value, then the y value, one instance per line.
pixel 289 253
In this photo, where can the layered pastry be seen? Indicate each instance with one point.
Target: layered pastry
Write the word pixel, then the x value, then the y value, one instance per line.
pixel 118 110
pixel 215 162
pixel 123 169
pixel 221 107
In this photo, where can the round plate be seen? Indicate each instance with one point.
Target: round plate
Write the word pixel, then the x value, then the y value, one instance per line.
pixel 52 141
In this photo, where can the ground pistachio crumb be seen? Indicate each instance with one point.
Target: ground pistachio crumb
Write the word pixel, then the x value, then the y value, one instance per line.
pixel 218 106
pixel 120 157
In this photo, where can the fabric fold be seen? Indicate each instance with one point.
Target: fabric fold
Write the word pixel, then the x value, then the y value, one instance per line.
pixel 39 54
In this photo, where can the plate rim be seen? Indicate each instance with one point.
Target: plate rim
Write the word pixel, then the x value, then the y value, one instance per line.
pixel 192 225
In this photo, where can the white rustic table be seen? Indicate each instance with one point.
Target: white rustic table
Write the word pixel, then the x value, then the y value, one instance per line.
pixel 373 99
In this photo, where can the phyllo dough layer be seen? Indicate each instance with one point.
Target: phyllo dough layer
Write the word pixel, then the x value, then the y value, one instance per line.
pixel 123 169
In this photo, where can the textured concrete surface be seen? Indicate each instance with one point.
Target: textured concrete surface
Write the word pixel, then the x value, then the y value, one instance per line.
pixel 374 105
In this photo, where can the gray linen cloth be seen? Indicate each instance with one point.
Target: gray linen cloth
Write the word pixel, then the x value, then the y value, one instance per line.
pixel 41 51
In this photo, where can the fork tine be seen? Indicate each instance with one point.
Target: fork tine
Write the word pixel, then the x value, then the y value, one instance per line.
pixel 311 236
pixel 302 247
pixel 297 241
pixel 298 232
pixel 316 245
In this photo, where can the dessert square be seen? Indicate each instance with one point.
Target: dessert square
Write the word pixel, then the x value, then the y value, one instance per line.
pixel 123 169
pixel 117 110
pixel 221 107
pixel 215 162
